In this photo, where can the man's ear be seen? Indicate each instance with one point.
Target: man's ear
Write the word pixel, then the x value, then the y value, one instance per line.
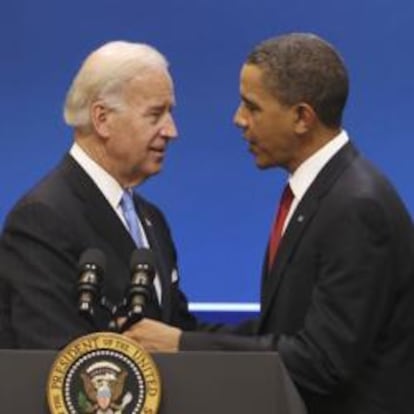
pixel 305 117
pixel 100 116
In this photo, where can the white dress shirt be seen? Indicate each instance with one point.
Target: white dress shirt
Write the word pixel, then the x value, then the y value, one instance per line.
pixel 306 173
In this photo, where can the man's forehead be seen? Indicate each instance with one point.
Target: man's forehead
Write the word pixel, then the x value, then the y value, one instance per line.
pixel 153 89
pixel 251 74
pixel 156 75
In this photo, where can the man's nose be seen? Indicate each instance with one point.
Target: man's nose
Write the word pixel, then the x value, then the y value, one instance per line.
pixel 169 130
pixel 238 118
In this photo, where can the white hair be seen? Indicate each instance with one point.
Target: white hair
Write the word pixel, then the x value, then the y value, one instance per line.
pixel 103 75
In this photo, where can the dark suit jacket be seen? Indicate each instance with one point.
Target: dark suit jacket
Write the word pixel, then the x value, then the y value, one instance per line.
pixel 338 304
pixel 43 238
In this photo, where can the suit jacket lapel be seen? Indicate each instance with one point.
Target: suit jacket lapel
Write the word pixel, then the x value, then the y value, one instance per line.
pixel 297 225
pixel 301 218
pixel 162 268
pixel 98 211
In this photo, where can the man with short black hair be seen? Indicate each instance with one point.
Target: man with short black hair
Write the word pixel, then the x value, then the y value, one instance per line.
pixel 337 297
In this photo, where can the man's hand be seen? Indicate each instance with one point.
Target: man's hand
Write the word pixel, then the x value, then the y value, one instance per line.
pixel 155 336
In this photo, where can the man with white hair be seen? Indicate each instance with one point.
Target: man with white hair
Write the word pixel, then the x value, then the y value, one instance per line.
pixel 119 106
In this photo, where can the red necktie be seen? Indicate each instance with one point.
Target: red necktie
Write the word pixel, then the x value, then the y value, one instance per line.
pixel 277 230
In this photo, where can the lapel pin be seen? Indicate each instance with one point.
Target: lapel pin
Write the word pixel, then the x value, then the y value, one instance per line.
pixel 300 218
pixel 148 222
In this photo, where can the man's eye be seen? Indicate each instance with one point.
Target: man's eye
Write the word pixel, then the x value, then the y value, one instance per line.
pixel 251 107
pixel 155 116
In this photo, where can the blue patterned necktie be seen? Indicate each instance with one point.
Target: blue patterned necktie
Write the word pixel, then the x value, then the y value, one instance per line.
pixel 130 215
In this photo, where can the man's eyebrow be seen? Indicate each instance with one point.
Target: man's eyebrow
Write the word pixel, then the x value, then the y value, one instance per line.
pixel 161 107
pixel 248 101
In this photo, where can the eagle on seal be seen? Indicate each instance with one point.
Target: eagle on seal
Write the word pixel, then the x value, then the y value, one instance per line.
pixel 103 391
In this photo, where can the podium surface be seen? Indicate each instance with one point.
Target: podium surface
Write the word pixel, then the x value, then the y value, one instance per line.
pixel 192 383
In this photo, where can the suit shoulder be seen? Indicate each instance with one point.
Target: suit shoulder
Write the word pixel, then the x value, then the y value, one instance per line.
pixel 52 192
pixel 366 181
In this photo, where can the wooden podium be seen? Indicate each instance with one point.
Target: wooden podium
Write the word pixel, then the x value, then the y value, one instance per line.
pixel 192 383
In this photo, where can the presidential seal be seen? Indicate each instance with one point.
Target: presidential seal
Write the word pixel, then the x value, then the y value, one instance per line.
pixel 103 373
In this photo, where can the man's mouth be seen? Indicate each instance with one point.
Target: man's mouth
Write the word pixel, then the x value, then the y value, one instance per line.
pixel 158 150
pixel 251 143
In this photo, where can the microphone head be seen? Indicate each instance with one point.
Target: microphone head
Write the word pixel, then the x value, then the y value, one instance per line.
pixel 92 264
pixel 141 257
pixel 93 256
pixel 142 275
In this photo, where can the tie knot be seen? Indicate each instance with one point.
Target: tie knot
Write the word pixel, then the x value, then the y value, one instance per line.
pixel 127 203
pixel 130 216
pixel 287 195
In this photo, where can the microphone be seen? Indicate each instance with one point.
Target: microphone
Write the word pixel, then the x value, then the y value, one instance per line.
pixel 92 264
pixel 142 276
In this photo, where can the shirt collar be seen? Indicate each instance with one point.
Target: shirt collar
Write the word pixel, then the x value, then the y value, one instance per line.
pixel 107 184
pixel 306 173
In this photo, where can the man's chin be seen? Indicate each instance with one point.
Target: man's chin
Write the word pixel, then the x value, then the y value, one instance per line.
pixel 154 169
pixel 262 164
pixel 138 177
